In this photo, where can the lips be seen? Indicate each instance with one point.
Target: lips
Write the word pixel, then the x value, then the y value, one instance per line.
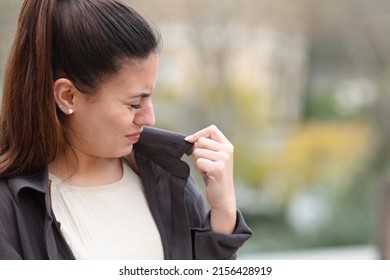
pixel 134 136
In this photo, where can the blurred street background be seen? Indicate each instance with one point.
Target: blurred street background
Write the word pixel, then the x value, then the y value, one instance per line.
pixel 301 89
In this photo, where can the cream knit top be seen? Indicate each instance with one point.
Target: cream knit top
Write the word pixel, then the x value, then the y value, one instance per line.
pixel 107 222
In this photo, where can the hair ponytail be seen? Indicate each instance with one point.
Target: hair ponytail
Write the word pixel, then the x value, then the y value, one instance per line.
pixel 28 125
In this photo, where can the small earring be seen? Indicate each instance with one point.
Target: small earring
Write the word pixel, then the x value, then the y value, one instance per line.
pixel 70 111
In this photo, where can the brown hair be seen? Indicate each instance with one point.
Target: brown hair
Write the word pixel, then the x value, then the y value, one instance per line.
pixel 82 40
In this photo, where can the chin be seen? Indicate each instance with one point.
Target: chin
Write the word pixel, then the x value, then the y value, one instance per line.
pixel 127 151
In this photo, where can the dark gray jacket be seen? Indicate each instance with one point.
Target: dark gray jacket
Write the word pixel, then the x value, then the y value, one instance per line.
pixel 29 230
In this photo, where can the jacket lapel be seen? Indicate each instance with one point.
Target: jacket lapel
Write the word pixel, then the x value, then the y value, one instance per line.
pixel 166 149
pixel 164 175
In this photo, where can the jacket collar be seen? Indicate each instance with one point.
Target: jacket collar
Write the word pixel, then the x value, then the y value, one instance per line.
pixel 166 149
pixel 37 181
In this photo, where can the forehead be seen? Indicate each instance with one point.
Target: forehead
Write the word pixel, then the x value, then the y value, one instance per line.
pixel 134 70
pixel 133 77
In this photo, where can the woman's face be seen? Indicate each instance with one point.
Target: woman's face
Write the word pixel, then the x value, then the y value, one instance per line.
pixel 107 123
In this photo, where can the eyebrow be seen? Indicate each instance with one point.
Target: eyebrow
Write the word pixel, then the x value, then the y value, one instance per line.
pixel 141 95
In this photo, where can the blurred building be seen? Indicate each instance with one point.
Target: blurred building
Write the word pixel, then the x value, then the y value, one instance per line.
pixel 259 46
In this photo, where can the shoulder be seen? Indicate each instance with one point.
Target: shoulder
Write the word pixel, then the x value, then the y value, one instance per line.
pixel 13 189
pixel 5 192
pixel 6 198
pixel 7 207
pixel 9 234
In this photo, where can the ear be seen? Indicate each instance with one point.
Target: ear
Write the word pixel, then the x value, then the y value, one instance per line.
pixel 64 94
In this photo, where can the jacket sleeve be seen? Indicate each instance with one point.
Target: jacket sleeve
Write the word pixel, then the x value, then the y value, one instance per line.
pixel 206 243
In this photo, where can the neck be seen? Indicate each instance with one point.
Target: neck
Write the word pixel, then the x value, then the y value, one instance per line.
pixel 91 171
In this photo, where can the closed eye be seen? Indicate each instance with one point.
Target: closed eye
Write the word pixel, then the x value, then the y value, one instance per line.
pixel 131 105
pixel 136 106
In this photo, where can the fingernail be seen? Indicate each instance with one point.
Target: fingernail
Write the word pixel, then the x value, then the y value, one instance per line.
pixel 188 138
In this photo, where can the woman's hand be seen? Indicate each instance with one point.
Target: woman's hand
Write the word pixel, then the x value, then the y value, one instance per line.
pixel 213 157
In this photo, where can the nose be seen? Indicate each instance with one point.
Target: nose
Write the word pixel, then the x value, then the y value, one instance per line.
pixel 145 115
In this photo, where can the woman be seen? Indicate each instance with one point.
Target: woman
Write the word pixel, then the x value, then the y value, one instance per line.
pixel 83 175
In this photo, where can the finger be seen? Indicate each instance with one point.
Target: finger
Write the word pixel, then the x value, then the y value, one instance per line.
pixel 211 169
pixel 209 144
pixel 207 154
pixel 212 163
pixel 211 132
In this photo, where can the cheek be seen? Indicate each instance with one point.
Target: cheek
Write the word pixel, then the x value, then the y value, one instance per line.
pixel 92 124
pixel 106 121
pixel 119 123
